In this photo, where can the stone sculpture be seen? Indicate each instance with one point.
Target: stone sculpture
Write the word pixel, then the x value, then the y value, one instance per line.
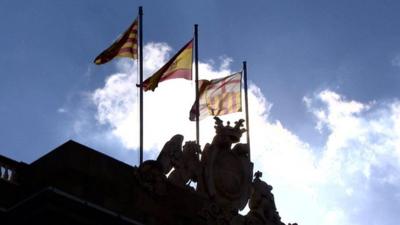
pixel 262 203
pixel 227 172
pixel 223 173
pixel 171 153
pixel 187 167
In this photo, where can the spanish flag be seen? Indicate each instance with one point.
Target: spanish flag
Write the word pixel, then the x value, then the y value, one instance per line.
pixel 125 46
pixel 219 97
pixel 179 66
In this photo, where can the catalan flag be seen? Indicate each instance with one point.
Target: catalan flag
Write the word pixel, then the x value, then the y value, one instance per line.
pixel 219 97
pixel 124 46
pixel 179 66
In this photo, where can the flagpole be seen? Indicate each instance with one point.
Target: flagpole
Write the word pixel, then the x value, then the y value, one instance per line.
pixel 196 69
pixel 246 103
pixel 141 83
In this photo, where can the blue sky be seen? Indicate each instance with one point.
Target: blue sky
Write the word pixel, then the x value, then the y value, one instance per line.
pixel 325 80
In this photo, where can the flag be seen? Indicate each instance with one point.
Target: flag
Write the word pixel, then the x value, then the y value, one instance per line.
pixel 219 96
pixel 125 46
pixel 179 66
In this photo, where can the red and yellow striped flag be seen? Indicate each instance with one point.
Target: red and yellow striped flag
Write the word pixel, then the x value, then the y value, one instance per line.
pixel 125 46
pixel 179 66
pixel 219 97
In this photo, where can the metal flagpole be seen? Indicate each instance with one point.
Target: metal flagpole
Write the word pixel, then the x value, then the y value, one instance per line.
pixel 246 103
pixel 196 69
pixel 141 83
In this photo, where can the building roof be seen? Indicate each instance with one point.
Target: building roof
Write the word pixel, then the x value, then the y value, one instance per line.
pixel 75 176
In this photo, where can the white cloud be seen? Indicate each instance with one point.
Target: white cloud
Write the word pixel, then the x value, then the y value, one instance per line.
pixel 334 186
pixel 360 153
pixel 61 110
pixel 396 61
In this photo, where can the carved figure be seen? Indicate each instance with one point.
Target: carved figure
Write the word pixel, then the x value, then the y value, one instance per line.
pixel 152 172
pixel 171 153
pixel 262 203
pixel 188 166
pixel 151 177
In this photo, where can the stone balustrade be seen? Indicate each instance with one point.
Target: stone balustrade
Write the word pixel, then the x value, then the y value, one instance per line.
pixel 6 173
pixel 8 168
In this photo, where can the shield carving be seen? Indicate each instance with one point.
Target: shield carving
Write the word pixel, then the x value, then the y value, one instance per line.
pixel 228 175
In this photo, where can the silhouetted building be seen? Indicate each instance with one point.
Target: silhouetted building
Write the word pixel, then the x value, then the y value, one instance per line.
pixel 76 185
